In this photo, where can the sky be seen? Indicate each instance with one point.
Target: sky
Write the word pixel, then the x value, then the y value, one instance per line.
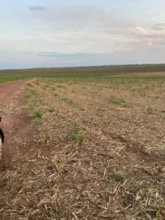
pixel 51 33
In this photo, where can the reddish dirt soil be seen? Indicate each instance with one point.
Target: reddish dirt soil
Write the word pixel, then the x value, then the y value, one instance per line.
pixel 8 88
pixel 8 125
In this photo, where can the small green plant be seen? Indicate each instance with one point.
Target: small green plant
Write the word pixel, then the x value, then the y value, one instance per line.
pixel 81 108
pixel 149 110
pixel 31 107
pixel 27 96
pixel 75 135
pixel 51 109
pixel 68 100
pixel 108 121
pixel 33 91
pixel 117 101
pixel 37 82
pixel 38 114
pixel 29 84
pixel 78 137
pixel 47 137
pixel 61 86
pixel 126 104
pixel 119 176
pixel 143 93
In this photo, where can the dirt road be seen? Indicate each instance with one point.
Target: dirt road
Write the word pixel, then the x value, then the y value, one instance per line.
pixel 8 124
pixel 8 88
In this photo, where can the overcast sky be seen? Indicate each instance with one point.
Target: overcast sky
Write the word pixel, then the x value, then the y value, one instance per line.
pixel 50 33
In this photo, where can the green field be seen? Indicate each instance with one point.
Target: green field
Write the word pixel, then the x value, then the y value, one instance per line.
pixel 103 71
pixel 10 78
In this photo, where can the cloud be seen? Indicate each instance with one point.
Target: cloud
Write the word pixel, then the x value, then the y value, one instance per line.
pixel 70 29
pixel 159 27
pixel 142 37
pixel 37 8
pixel 142 30
pixel 151 35
pixel 47 54
pixel 82 17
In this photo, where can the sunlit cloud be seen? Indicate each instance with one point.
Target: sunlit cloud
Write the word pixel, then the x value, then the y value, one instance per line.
pixel 153 37
pixel 142 30
pixel 150 43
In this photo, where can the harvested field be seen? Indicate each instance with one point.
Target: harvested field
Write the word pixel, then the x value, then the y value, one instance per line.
pixel 85 148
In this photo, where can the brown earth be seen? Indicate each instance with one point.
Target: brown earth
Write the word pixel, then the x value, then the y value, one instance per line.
pixel 9 125
pixel 8 88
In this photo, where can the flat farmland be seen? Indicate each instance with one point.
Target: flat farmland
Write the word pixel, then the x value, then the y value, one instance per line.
pixel 84 148
pixel 110 71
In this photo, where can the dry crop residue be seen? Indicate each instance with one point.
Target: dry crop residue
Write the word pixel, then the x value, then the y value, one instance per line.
pixel 92 148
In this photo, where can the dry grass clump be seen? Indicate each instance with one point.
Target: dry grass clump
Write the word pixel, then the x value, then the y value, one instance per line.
pixel 69 164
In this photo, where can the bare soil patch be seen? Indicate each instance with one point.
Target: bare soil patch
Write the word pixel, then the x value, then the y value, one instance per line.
pixel 14 127
pixel 8 88
pixel 9 124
